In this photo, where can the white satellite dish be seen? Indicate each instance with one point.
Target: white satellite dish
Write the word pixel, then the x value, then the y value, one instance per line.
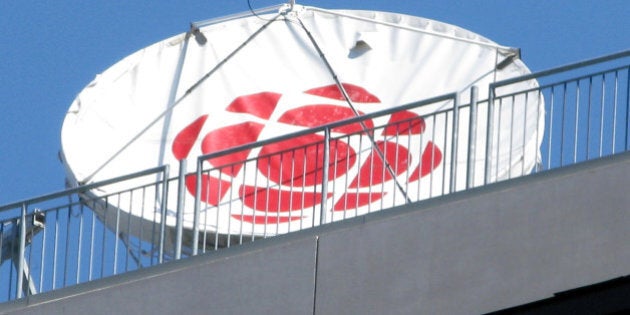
pixel 236 81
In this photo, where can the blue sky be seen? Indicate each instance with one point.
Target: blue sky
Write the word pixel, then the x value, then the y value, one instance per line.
pixel 49 50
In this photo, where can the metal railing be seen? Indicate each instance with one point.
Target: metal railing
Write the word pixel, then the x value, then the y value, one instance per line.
pixel 587 109
pixel 317 176
pixel 323 174
pixel 65 240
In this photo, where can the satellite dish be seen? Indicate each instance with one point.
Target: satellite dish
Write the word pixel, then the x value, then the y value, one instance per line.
pixel 242 80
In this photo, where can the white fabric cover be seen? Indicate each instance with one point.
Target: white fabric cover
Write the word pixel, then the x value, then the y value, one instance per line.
pixel 120 123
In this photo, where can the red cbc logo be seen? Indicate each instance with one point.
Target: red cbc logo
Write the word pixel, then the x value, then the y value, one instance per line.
pixel 271 205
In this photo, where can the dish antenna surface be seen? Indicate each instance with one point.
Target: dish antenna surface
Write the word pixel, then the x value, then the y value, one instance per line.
pixel 243 79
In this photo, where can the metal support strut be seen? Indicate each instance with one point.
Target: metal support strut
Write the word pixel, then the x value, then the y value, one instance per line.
pixel 380 153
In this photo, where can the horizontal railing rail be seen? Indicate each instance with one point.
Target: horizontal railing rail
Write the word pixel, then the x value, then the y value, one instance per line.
pixel 618 56
pixel 316 176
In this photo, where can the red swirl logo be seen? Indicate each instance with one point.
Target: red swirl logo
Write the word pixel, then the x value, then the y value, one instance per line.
pixel 293 172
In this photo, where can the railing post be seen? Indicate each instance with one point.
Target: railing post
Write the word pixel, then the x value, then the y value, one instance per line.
pixel 195 244
pixel 454 144
pixel 181 190
pixel 323 212
pixel 472 137
pixel 489 135
pixel 163 205
pixel 20 271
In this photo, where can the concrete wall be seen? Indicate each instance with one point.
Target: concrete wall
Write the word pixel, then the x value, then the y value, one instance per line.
pixel 472 252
